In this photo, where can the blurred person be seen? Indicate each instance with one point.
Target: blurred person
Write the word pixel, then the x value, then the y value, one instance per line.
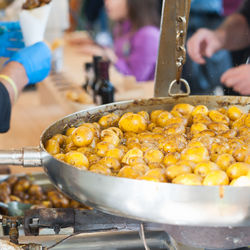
pixel 58 22
pixel 238 56
pixel 97 21
pixel 92 10
pixel 233 34
pixel 136 37
pixel 205 79
pixel 26 66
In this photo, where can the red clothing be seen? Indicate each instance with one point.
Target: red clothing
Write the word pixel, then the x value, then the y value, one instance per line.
pixel 245 10
pixel 230 6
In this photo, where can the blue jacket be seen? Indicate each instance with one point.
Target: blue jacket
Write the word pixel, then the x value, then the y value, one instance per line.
pixel 207 6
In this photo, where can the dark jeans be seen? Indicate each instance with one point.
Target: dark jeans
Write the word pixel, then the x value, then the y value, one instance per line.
pixel 203 79
pixel 238 57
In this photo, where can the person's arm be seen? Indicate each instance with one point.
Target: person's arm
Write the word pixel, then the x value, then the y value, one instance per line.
pixel 5 109
pixel 142 59
pixel 238 78
pixel 17 73
pixel 28 66
pixel 233 34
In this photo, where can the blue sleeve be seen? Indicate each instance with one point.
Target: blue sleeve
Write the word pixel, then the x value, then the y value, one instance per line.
pixel 5 109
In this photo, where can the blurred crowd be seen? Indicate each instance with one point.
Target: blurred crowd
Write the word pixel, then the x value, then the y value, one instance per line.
pixel 129 38
pixel 109 31
pixel 206 78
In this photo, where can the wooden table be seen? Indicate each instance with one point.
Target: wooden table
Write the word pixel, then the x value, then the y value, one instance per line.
pixel 28 121
pixel 126 86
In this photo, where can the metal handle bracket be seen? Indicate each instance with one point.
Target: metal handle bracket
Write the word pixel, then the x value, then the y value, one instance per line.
pixel 187 93
pixel 27 157
pixel 172 51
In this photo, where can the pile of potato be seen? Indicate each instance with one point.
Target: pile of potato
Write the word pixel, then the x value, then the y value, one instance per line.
pixel 188 145
pixel 32 4
pixel 22 189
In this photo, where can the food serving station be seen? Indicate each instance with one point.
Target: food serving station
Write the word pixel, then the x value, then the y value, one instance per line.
pixel 140 214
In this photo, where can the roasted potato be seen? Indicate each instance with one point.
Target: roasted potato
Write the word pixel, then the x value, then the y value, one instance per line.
pixel 203 168
pixel 200 109
pixel 163 118
pixel 154 115
pixel 196 154
pixel 192 145
pixel 175 170
pixel 156 173
pixel 103 147
pixel 132 123
pixel 237 170
pixel 153 155
pixel 130 172
pixel 216 178
pixel 188 179
pixel 111 163
pixel 216 116
pixel 234 113
pixel 100 169
pixel 171 158
pixel 184 108
pixel 77 159
pixel 52 146
pixel 224 161
pixel 197 128
pixel 109 120
pixel 82 136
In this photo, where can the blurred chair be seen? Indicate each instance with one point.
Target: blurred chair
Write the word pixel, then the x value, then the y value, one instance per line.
pixel 96 22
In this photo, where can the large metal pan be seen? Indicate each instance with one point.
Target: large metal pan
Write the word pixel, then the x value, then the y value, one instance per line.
pixel 149 201
pixel 176 205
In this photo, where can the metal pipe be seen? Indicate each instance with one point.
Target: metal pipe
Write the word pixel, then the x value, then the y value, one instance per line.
pixel 27 157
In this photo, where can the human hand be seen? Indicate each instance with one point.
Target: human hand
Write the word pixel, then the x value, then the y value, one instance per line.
pixel 11 38
pixel 204 43
pixel 36 60
pixel 238 78
pixel 110 55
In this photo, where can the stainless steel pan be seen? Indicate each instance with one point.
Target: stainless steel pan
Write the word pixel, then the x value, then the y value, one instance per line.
pixel 156 202
pixel 222 215
pixel 170 204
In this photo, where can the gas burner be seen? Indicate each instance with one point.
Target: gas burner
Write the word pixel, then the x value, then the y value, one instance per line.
pixel 59 228
pixel 90 230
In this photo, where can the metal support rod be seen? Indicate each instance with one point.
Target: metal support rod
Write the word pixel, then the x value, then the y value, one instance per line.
pixel 143 238
pixel 27 157
pixel 172 52
pixel 166 67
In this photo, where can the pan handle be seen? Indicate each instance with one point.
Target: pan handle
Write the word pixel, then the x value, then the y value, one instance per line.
pixel 187 93
pixel 27 157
